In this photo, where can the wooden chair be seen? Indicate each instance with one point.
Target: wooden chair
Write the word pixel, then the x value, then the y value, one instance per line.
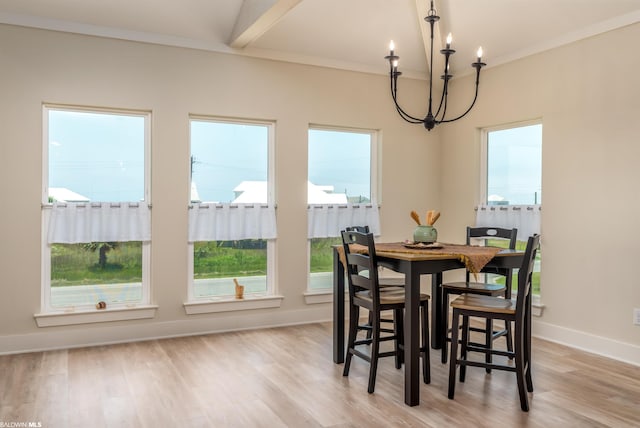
pixel 484 289
pixel 384 283
pixel 365 292
pixel 516 311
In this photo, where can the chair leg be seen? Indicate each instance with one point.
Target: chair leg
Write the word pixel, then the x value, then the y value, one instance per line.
pixel 507 324
pixel 354 313
pixel 509 337
pixel 375 350
pixel 445 326
pixel 463 346
pixel 527 347
pixel 453 358
pixel 520 367
pixel 370 323
pixel 488 342
pixel 398 327
pixel 426 357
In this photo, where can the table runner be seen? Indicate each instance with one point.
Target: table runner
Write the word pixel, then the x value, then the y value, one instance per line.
pixel 474 257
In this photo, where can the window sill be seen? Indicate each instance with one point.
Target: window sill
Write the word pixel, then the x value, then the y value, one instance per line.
pixel 319 296
pixel 536 307
pixel 226 305
pixel 52 319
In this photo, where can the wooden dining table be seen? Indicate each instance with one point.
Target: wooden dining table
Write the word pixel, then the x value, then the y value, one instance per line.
pixel 412 265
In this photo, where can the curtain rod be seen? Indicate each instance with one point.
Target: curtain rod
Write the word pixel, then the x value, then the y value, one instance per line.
pixel 503 208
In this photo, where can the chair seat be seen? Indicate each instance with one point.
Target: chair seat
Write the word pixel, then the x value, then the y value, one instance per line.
pixel 386 281
pixel 391 282
pixel 479 303
pixel 475 288
pixel 389 296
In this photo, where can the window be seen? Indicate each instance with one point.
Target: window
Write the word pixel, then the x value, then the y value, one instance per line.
pixel 341 192
pixel 512 189
pixel 232 216
pixel 96 234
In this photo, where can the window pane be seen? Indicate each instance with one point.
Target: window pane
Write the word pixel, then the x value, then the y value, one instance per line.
pixel 229 164
pixel 85 274
pixel 321 262
pixel 339 172
pixel 96 156
pixel 216 263
pixel 339 167
pixel 514 166
pixel 514 177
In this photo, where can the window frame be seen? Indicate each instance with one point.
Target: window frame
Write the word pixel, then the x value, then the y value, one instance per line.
pixel 194 304
pixel 141 309
pixel 484 179
pixel 323 295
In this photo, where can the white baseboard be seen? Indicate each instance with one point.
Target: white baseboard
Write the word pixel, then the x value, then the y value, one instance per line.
pixel 107 333
pixel 621 351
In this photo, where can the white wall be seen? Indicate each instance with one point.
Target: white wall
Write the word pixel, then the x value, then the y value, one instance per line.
pixel 588 97
pixel 41 66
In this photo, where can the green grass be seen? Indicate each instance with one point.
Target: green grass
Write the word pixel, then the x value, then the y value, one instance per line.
pixel 322 254
pixel 73 264
pixel 243 258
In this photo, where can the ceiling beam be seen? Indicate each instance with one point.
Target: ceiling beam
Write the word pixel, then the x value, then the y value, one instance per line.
pixel 255 19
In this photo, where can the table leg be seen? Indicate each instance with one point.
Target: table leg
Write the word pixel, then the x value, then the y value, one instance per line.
pixel 437 326
pixel 412 338
pixel 338 309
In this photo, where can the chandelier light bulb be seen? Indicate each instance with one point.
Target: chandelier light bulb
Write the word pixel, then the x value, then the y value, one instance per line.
pixel 479 53
pixel 449 39
pixel 392 46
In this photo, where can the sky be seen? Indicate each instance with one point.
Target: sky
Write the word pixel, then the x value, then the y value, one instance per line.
pixel 514 165
pixel 101 156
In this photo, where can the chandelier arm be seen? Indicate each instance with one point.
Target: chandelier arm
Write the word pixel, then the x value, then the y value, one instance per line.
pixel 443 102
pixel 467 111
pixel 406 116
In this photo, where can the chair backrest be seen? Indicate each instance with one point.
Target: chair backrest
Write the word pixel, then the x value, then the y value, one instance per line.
pixel 361 229
pixel 525 274
pixel 362 269
pixel 493 232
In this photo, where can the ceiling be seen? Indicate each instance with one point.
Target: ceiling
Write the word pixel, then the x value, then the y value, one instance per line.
pixel 346 34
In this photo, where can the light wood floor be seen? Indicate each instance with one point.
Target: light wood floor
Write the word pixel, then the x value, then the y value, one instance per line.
pixel 285 377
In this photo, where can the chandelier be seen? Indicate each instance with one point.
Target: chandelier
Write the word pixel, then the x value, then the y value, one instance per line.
pixel 431 119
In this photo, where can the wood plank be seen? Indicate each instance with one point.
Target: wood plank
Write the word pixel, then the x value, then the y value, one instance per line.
pixel 285 377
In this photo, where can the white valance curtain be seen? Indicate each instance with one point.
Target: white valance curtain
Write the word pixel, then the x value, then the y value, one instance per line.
pixel 526 218
pixel 230 222
pixel 326 221
pixel 72 223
